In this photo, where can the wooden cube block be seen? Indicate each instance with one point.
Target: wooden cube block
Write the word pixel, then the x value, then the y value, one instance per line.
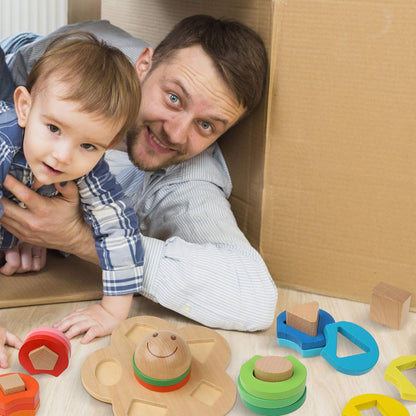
pixel 304 318
pixel 11 383
pixel 389 305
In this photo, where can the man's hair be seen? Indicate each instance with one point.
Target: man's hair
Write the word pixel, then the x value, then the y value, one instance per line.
pixel 236 50
pixel 98 76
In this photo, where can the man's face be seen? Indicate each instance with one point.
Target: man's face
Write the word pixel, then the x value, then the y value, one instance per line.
pixel 186 106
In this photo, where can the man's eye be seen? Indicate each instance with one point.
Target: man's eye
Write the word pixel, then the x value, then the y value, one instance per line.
pixel 88 146
pixel 53 129
pixel 205 125
pixel 174 99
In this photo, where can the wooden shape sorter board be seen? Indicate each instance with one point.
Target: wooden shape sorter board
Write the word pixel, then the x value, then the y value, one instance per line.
pixel 108 374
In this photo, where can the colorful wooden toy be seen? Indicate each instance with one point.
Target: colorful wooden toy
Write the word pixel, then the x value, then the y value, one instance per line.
pixel 273 390
pixel 45 350
pixel 304 318
pixel 389 305
pixel 304 341
pixel 272 397
pixel 355 364
pixel 386 405
pixel 130 372
pixel 162 361
pixel 394 375
pixel 24 402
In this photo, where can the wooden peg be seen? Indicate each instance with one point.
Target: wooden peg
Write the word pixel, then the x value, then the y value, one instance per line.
pixel 273 368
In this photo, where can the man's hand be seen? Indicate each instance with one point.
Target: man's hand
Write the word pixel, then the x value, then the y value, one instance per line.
pixel 55 223
pixel 23 258
pixel 96 320
pixel 6 338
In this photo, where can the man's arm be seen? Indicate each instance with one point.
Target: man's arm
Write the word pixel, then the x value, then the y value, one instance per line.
pixel 201 265
pixel 49 222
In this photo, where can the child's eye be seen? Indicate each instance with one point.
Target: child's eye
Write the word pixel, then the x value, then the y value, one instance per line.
pixel 53 129
pixel 88 146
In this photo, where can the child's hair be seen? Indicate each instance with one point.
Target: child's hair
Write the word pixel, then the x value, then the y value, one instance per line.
pixel 98 76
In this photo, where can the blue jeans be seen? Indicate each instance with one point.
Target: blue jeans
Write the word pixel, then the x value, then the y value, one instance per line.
pixel 9 46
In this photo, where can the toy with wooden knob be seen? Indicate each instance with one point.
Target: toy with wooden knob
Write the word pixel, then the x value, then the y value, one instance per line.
pixel 151 367
pixel 162 361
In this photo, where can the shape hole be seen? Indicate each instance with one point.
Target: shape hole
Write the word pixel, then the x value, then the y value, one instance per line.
pixel 346 348
pixel 143 408
pixel 201 349
pixel 410 374
pixel 137 332
pixel 207 393
pixel 108 372
pixel 374 411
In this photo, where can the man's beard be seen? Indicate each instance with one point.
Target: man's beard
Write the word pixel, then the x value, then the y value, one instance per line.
pixel 132 137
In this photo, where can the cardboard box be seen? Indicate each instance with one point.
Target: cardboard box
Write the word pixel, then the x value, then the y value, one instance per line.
pixel 324 175
pixel 339 191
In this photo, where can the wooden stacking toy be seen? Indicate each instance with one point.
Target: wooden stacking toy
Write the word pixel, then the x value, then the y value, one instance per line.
pixel 162 361
pixel 325 342
pixel 152 368
pixel 45 350
pixel 272 385
pixel 19 395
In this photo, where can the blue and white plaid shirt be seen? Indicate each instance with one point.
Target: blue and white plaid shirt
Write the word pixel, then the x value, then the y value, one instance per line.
pixel 113 222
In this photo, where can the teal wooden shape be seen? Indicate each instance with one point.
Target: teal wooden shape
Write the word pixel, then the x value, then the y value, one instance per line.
pixel 354 364
pixel 311 352
pixel 279 411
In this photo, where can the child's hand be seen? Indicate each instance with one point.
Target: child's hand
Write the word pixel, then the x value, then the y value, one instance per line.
pixel 22 258
pixel 6 338
pixel 96 320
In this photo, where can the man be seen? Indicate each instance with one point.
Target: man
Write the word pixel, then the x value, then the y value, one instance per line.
pixel 201 80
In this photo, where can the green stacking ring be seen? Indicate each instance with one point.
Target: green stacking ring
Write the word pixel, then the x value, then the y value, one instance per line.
pixel 273 390
pixel 267 404
pixel 277 412
pixel 160 382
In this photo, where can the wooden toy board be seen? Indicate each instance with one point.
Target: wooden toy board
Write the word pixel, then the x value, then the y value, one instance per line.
pixel 108 373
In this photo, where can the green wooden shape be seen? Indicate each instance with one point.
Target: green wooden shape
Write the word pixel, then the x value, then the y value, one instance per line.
pixel 277 412
pixel 264 403
pixel 160 382
pixel 273 390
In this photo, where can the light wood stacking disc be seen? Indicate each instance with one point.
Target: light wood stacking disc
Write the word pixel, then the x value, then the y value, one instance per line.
pixel 273 368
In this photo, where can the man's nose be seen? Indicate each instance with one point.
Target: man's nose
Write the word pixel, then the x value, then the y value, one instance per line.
pixel 178 128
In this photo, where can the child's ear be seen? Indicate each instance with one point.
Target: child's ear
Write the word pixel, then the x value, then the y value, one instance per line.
pixel 144 62
pixel 22 103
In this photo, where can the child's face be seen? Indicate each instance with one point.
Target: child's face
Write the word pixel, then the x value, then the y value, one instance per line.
pixel 61 142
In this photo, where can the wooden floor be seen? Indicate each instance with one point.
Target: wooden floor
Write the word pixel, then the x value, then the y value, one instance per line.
pixel 328 390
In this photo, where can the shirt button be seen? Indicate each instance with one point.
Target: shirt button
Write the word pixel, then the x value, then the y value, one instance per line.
pixel 187 308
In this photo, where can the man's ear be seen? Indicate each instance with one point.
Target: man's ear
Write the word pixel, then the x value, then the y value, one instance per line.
pixel 144 62
pixel 22 103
